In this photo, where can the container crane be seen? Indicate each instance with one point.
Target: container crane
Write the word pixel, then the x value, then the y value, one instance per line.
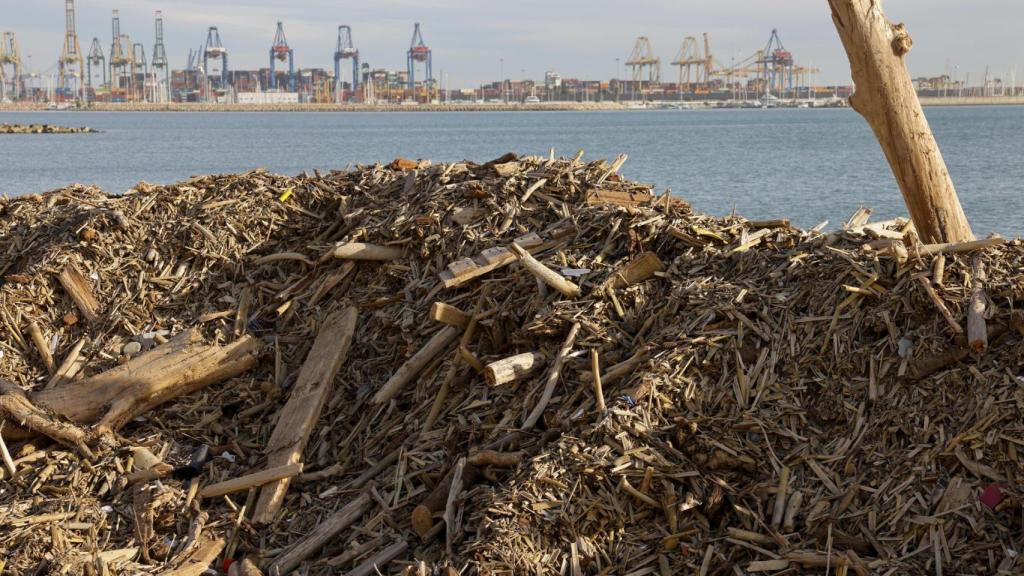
pixel 419 52
pixel 140 72
pixel 346 50
pixel 691 64
pixel 280 50
pixel 215 50
pixel 120 59
pixel 10 67
pixel 643 59
pixel 160 66
pixel 709 60
pixel 776 66
pixel 739 72
pixel 95 58
pixel 72 63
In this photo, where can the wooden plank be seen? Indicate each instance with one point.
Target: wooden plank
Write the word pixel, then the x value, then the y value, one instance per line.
pixel 300 413
pixel 466 269
pixel 77 286
pixel 616 198
pixel 639 269
pixel 448 314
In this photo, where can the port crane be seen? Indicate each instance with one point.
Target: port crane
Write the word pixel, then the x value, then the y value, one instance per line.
pixel 643 59
pixel 160 66
pixel 120 59
pixel 72 63
pixel 345 50
pixel 776 67
pixel 140 72
pixel 97 59
pixel 692 65
pixel 281 51
pixel 214 49
pixel 419 52
pixel 10 67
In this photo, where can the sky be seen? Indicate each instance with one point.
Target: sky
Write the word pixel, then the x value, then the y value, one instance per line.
pixel 577 38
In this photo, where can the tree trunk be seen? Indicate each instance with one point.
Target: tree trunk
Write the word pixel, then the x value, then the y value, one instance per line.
pixel 886 98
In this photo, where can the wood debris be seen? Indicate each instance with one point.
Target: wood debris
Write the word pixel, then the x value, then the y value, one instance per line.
pixel 766 398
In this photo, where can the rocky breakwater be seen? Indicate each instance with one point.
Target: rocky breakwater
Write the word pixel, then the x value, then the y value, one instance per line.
pixel 43 129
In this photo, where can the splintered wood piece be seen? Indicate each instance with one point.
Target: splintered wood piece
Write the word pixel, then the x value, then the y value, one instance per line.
pixel 545 274
pixel 595 371
pixel 465 270
pixel 639 269
pixel 780 498
pixel 436 345
pixel 200 559
pixel 614 168
pixel 182 366
pixel 300 413
pixel 552 379
pixel 886 98
pixel 77 286
pixel 251 480
pixel 961 247
pixel 817 560
pixel 934 296
pixel 377 564
pixel 617 198
pixel 244 567
pixel 69 367
pixel 242 315
pixel 450 519
pixel 42 346
pixel 362 251
pixel 323 533
pixel 508 370
pixel 448 314
pixel 619 371
pixel 977 333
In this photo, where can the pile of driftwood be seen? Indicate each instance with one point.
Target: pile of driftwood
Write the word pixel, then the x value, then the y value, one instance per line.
pixel 43 129
pixel 524 366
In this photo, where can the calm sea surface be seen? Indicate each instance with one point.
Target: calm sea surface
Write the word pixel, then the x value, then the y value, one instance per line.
pixel 807 165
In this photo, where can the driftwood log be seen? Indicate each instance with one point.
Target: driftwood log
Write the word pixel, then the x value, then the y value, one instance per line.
pixel 886 98
pixel 109 400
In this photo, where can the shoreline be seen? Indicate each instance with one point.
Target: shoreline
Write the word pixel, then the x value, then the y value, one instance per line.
pixel 928 101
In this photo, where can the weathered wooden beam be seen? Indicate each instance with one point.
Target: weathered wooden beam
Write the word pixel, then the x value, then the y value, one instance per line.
pixel 300 413
pixel 886 98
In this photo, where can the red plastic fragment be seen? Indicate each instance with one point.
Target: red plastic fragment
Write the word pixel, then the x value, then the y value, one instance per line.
pixel 992 495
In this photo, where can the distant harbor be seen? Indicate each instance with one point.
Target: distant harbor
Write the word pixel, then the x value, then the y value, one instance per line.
pixel 491 106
